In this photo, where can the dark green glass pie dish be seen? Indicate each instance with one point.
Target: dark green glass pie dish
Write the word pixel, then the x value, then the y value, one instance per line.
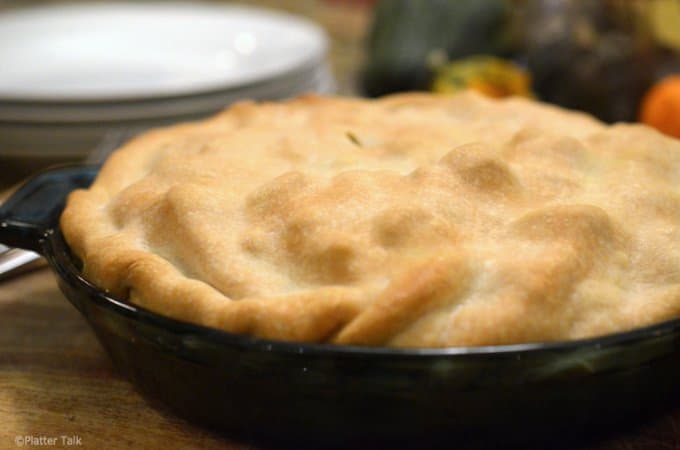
pixel 325 393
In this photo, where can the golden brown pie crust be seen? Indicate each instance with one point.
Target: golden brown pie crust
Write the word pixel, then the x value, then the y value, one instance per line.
pixel 412 221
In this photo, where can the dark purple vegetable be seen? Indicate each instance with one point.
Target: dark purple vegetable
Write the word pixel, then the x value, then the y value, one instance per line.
pixel 588 55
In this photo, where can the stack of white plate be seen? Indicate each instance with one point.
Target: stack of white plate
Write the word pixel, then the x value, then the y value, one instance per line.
pixel 70 74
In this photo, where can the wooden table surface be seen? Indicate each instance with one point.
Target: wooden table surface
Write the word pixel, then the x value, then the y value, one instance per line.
pixel 55 380
pixel 57 383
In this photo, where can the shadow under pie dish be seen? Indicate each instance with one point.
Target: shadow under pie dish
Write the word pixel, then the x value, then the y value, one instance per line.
pixel 495 240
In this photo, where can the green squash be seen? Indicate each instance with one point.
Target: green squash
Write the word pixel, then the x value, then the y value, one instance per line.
pixel 407 34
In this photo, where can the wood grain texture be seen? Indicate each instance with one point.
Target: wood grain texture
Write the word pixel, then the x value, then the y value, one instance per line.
pixel 56 380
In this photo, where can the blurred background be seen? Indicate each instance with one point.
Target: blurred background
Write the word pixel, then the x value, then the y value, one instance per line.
pixel 78 78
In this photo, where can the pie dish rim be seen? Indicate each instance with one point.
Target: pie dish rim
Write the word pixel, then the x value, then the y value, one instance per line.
pixel 65 266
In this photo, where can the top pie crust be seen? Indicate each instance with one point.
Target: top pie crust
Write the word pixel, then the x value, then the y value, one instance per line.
pixel 410 221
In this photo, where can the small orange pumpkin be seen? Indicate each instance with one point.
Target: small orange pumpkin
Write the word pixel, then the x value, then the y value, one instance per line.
pixel 661 106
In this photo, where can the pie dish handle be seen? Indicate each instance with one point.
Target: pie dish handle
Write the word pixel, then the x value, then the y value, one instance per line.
pixel 32 211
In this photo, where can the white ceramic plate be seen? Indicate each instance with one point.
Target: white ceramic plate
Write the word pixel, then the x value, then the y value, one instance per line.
pixel 315 79
pixel 113 51
pixel 69 133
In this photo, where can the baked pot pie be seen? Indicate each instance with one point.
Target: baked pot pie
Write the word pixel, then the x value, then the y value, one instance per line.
pixel 408 221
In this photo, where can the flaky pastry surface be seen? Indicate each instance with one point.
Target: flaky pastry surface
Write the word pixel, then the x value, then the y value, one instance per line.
pixel 409 221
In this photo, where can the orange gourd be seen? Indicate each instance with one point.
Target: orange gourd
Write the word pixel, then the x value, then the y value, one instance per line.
pixel 661 106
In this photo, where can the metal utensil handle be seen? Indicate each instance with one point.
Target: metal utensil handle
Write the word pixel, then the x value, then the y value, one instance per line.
pixel 28 214
pixel 15 261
